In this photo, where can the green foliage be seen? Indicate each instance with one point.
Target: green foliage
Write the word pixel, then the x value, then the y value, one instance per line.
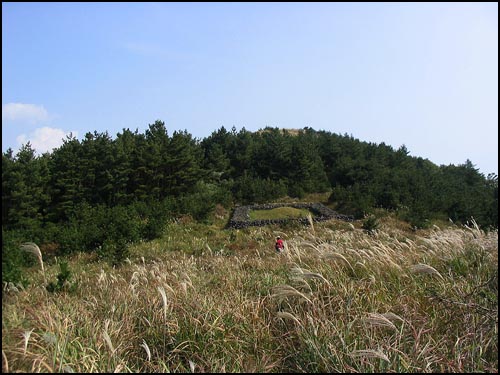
pixel 353 200
pixel 63 283
pixel 151 216
pixel 13 258
pixel 115 251
pixel 370 224
pixel 238 306
pixel 459 266
pixel 419 221
pixel 106 193
pixel 418 217
pixel 90 227
pixel 248 189
pixel 24 185
pixel 70 238
pixel 201 202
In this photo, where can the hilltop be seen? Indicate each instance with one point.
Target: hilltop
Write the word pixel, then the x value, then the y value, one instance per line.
pixel 135 268
pixel 100 194
pixel 289 131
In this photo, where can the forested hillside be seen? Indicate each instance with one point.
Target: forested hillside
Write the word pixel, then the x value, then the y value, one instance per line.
pixel 102 193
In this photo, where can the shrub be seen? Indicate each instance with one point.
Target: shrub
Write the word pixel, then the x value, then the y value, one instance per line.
pixel 63 280
pixel 417 217
pixel 258 190
pixel 150 217
pixel 70 238
pixel 296 191
pixel 202 201
pixel 352 200
pixel 91 227
pixel 13 258
pixel 114 251
pixel 370 224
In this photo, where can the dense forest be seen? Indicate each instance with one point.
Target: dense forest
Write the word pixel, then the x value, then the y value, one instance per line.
pixel 100 194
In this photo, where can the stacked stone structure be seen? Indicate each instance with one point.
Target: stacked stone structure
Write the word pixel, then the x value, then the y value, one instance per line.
pixel 241 214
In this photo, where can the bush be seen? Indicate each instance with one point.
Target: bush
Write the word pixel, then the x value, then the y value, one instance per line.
pixel 114 251
pixel 417 217
pixel 122 224
pixel 352 200
pixel 202 201
pixel 13 258
pixel 249 190
pixel 296 191
pixel 70 238
pixel 63 280
pixel 370 224
pixel 150 218
pixel 91 227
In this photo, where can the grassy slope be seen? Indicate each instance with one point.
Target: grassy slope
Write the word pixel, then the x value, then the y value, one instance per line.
pixel 206 299
pixel 279 213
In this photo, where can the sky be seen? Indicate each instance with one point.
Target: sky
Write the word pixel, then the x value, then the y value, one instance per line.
pixel 423 75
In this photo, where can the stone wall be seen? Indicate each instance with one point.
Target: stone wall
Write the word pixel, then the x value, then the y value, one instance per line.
pixel 241 214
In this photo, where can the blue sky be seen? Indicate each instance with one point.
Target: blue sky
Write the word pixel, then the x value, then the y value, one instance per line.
pixel 420 74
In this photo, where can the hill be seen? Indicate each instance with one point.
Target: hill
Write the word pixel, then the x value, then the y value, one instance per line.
pixel 101 194
pixel 204 299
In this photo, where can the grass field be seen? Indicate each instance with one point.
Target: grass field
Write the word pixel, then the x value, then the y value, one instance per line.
pixel 279 213
pixel 205 299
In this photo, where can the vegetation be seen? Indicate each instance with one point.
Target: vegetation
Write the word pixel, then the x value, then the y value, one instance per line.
pixel 114 257
pixel 63 279
pixel 102 194
pixel 279 213
pixel 370 224
pixel 205 299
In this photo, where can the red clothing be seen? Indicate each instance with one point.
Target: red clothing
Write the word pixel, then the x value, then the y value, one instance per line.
pixel 279 244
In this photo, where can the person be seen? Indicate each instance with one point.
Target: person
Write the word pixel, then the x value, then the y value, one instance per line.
pixel 279 246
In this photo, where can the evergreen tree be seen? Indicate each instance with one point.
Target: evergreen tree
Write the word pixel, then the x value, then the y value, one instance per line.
pixel 11 184
pixel 183 164
pixel 157 160
pixel 111 192
pixel 24 188
pixel 67 179
pixel 216 160
pixel 124 153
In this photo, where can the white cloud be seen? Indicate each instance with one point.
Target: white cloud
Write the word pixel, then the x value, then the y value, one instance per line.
pixel 29 113
pixel 45 139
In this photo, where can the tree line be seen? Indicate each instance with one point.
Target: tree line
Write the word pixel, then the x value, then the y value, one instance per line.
pixel 99 193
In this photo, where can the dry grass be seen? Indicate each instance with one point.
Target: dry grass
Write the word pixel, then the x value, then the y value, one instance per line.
pixel 203 299
pixel 33 248
pixel 369 353
pixel 425 269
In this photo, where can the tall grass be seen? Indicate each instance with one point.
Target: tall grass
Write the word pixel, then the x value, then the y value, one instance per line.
pixel 33 248
pixel 204 299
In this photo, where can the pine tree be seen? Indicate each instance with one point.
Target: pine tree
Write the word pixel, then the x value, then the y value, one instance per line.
pixel 67 176
pixel 183 163
pixel 157 161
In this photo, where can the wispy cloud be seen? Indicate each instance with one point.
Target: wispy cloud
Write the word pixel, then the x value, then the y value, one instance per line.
pixel 45 139
pixel 27 113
